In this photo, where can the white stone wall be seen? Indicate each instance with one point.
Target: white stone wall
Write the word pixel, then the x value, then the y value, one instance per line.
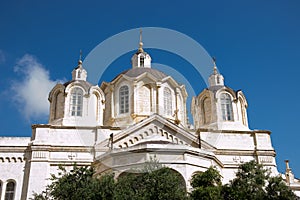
pixel 52 146
pixel 12 163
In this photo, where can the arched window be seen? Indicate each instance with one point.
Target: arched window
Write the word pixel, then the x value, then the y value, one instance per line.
pixel 76 103
pixel 142 61
pixel 226 107
pixel 167 101
pixel 10 191
pixel 124 99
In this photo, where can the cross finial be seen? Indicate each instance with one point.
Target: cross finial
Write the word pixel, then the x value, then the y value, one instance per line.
pixel 215 66
pixel 214 60
pixel 141 43
pixel 141 34
pixel 80 57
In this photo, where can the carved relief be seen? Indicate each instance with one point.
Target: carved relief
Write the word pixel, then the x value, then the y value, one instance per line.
pixel 72 156
pixel 237 159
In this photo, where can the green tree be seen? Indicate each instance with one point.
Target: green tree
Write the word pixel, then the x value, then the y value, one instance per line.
pixel 254 182
pixel 153 182
pixel 249 182
pixel 206 185
pixel 78 183
pixel 157 182
pixel 278 190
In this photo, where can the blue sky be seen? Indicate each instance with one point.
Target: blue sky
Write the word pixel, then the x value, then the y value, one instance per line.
pixel 256 44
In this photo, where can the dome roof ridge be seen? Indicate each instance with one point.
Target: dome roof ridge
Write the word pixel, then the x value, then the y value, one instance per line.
pixel 135 72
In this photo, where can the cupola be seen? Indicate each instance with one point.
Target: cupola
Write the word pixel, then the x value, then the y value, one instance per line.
pixel 76 102
pixel 141 58
pixel 220 107
pixel 79 73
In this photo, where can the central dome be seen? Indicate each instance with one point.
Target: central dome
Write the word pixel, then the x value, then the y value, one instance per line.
pixel 140 92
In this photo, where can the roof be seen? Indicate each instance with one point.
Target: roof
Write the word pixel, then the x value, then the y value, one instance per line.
pixel 215 88
pixel 135 72
pixel 83 83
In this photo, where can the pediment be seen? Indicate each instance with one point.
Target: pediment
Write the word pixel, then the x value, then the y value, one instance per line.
pixel 155 130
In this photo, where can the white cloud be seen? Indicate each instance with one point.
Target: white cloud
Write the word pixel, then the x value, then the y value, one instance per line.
pixel 30 93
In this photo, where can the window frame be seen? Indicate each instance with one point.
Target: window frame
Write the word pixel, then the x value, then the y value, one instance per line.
pixel 124 99
pixel 76 102
pixel 12 192
pixel 226 107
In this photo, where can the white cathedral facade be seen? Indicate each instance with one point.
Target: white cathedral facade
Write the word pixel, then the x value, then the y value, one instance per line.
pixel 139 115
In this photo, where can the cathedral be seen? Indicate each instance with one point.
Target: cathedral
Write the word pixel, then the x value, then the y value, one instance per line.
pixel 122 124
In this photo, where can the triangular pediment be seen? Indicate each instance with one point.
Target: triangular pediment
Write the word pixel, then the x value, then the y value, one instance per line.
pixel 155 130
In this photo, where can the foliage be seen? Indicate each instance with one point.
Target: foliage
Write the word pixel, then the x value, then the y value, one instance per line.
pixel 207 185
pixel 252 181
pixel 155 182
pixel 152 182
pixel 79 183
pixel 278 190
pixel 211 177
pixel 249 182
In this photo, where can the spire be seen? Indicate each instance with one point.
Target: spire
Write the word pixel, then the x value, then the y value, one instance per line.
pixel 215 66
pixel 79 73
pixel 215 79
pixel 140 50
pixel 80 57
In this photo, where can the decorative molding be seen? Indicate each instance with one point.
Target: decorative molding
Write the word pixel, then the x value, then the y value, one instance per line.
pixel 154 130
pixel 40 154
pixel 11 159
pixel 265 159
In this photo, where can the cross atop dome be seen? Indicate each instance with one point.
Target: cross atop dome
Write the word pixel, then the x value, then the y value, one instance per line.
pixel 140 50
pixel 215 66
